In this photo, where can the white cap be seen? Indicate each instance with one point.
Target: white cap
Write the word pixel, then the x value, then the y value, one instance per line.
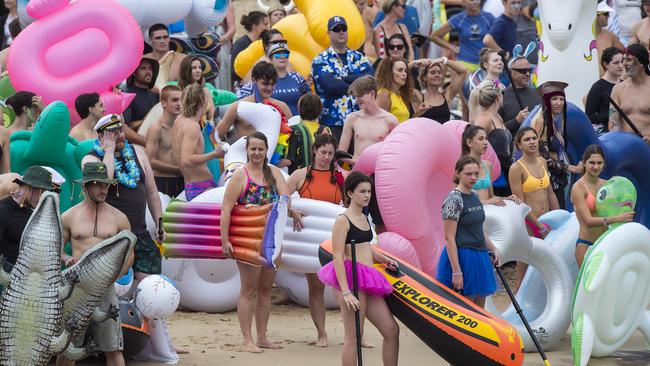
pixel 56 177
pixel 604 8
pixel 107 120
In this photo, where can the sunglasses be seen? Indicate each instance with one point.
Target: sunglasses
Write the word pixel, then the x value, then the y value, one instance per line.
pixel 280 55
pixel 398 47
pixel 603 13
pixel 340 29
pixel 278 41
pixel 401 5
pixel 524 71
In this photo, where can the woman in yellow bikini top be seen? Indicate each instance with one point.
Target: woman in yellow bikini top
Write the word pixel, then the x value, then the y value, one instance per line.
pixel 395 84
pixel 529 180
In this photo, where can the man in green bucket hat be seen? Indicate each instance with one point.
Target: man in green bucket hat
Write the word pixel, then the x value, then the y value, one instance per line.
pixel 16 209
pixel 85 225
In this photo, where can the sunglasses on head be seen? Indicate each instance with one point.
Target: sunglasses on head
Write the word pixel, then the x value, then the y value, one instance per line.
pixel 280 55
pixel 528 70
pixel 340 29
pixel 398 47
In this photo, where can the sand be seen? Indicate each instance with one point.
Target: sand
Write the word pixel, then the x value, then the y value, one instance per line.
pixel 214 339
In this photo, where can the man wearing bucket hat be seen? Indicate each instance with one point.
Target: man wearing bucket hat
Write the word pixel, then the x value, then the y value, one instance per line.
pixel 16 209
pixel 86 224
pixel 135 190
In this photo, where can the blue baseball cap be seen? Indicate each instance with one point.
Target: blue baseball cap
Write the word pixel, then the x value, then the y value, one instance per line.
pixel 336 20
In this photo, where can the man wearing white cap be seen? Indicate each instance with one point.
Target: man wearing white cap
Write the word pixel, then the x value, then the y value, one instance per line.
pixel 604 38
pixel 136 188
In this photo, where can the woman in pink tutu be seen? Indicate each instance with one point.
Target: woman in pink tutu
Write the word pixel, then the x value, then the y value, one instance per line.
pixel 350 226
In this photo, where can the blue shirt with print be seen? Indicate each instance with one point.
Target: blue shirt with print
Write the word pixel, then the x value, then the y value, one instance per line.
pixel 471 30
pixel 333 74
pixel 288 89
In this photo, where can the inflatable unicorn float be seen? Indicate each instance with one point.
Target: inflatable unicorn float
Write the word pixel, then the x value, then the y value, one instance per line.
pixel 567 45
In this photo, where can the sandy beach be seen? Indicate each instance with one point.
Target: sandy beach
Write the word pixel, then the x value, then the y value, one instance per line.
pixel 214 339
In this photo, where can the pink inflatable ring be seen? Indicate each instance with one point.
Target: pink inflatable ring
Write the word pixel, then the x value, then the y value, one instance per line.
pixel 87 46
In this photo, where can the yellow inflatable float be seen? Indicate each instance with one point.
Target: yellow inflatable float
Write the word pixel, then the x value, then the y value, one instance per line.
pixel 306 34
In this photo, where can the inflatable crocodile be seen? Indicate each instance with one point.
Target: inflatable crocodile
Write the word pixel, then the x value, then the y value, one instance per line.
pixel 97 270
pixel 31 308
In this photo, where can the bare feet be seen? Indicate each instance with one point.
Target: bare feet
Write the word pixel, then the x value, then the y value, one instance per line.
pixel 322 342
pixel 251 347
pixel 366 344
pixel 281 300
pixel 181 351
pixel 265 343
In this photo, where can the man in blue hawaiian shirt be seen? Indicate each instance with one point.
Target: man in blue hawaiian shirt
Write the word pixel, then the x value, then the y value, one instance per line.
pixel 333 71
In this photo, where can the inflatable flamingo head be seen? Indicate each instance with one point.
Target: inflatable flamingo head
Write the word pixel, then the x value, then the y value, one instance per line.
pixel 559 20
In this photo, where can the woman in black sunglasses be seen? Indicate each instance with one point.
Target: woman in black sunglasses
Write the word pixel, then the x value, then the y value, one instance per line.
pixel 394 11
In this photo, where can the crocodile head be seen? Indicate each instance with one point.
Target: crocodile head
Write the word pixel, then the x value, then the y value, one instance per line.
pixel 615 197
pixel 42 236
pixel 102 264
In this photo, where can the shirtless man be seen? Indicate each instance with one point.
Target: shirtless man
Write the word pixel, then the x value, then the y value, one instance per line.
pixel 187 153
pixel 86 224
pixel 605 38
pixel 641 30
pixel 159 144
pixel 159 38
pixel 264 77
pixel 90 108
pixel 632 94
pixel 368 14
pixel 369 125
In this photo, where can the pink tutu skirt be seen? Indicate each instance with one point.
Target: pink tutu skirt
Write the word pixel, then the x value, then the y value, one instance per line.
pixel 370 280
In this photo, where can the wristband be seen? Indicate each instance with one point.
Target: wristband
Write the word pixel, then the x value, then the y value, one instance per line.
pixel 345 293
pixel 444 60
pixel 457 274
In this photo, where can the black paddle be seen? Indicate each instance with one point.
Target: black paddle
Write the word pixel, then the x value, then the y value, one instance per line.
pixel 624 115
pixel 503 55
pixel 355 292
pixel 521 315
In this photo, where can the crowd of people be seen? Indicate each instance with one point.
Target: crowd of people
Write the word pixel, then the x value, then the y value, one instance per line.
pixel 351 100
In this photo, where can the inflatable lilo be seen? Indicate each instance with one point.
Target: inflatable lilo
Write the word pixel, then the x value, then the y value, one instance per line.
pixel 451 325
pixel 424 152
pixel 49 144
pixel 255 231
pixel 505 227
pixel 71 49
pixel 567 45
pixel 612 293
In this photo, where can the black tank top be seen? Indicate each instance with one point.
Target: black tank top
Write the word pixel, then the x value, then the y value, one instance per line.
pixel 439 113
pixel 130 201
pixel 501 139
pixel 359 236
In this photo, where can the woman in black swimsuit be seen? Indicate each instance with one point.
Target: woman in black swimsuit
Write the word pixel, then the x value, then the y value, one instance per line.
pixel 373 286
pixel 434 95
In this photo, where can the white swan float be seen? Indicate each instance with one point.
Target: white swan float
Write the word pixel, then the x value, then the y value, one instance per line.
pixel 505 227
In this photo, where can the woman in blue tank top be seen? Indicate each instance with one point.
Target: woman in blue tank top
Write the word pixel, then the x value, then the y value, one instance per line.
pixel 465 264
pixel 474 143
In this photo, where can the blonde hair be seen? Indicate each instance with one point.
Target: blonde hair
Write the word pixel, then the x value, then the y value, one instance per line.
pixel 193 100
pixel 483 96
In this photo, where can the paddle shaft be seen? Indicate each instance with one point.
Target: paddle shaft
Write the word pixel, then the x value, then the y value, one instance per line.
pixel 623 115
pixel 502 53
pixel 521 315
pixel 355 292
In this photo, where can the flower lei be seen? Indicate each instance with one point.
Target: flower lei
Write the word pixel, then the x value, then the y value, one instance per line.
pixel 131 176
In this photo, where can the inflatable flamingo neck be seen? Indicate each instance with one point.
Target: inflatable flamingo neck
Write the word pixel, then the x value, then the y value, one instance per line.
pixel 568 46
pixel 41 8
